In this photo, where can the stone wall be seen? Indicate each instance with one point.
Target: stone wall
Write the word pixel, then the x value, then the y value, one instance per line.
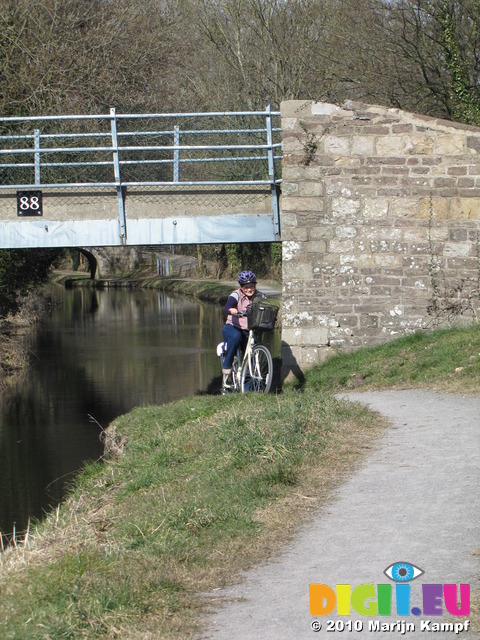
pixel 380 226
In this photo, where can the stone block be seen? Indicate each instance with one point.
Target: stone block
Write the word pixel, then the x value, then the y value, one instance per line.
pixel 292 173
pixel 288 124
pixel 434 208
pixel 326 109
pixel 444 182
pixel 350 321
pixel 368 320
pixel 348 162
pixel 310 189
pixel 294 270
pixel 291 250
pixel 459 249
pixel 339 186
pixel 376 207
pixel 402 128
pixel 298 203
pixel 314 335
pixel 336 146
pixel 289 188
pixel 296 234
pixel 420 144
pixel 390 146
pixel 310 356
pixel 341 246
pixel 292 144
pixel 291 335
pixel 289 219
pixel 466 183
pixel 343 232
pixel 345 207
pixel 415 233
pixel 385 260
pixel 450 145
pixel 324 231
pixel 458 235
pixel 317 246
pixel 363 146
pixel 457 171
pixel 464 209
pixel 438 234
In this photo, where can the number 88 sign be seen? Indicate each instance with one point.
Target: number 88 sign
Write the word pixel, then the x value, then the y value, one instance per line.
pixel 29 203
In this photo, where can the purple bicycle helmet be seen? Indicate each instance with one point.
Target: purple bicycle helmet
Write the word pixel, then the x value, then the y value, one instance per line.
pixel 247 277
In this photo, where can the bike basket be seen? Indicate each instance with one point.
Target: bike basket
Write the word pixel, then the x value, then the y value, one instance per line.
pixel 262 317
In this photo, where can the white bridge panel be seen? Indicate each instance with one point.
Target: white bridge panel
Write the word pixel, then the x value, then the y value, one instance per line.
pixel 54 234
pixel 201 230
pixel 155 231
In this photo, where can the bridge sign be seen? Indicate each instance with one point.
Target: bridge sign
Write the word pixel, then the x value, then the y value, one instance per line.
pixel 29 203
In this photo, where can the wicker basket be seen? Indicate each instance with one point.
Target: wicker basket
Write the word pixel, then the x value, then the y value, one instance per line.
pixel 262 316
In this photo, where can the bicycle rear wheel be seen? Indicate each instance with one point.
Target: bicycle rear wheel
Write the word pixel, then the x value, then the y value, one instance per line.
pixel 257 371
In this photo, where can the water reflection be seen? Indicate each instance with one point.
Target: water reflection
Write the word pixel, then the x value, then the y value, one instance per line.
pixel 98 355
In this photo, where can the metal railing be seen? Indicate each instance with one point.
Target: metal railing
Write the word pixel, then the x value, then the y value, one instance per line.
pixel 218 149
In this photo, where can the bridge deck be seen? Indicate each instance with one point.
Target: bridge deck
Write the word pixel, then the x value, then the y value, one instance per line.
pixel 70 186
pixel 153 215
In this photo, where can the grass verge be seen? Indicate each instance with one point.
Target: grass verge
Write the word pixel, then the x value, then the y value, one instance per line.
pixel 446 359
pixel 194 492
pixel 197 491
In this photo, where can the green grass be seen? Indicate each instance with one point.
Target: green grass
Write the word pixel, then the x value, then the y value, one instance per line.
pixel 196 491
pixel 445 359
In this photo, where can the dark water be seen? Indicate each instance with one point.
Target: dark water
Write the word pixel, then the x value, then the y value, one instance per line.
pixel 97 355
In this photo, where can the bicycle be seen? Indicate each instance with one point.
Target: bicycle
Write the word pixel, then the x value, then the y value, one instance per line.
pixel 252 370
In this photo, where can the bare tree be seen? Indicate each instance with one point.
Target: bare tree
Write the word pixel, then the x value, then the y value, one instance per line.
pixel 272 50
pixel 84 55
pixel 434 56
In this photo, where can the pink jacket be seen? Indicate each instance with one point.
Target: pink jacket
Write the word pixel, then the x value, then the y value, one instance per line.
pixel 239 300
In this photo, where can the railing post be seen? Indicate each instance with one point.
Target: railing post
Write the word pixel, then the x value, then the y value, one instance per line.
pixel 176 153
pixel 118 179
pixel 37 156
pixel 271 175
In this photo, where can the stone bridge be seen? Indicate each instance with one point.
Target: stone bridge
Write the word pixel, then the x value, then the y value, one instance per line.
pixel 380 226
pixel 379 210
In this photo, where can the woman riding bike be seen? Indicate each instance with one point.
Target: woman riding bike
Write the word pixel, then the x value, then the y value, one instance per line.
pixel 235 329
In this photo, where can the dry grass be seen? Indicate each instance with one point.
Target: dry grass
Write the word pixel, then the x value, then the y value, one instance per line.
pixel 192 494
pixel 170 534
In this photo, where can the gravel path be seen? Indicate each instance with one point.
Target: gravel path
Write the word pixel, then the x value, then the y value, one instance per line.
pixel 415 499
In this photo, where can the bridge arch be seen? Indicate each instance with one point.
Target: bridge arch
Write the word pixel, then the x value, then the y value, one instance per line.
pixel 92 261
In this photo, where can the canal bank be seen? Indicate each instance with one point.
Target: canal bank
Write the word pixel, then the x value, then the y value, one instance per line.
pixel 192 493
pixel 207 290
pixel 95 355
pixel 14 357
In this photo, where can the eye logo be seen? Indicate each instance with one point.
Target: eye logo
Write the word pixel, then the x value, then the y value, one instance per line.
pixel 403 572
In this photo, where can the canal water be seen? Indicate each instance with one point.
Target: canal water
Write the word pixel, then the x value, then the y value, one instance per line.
pixel 98 354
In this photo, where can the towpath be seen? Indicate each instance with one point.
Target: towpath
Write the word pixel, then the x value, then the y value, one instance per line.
pixel 415 499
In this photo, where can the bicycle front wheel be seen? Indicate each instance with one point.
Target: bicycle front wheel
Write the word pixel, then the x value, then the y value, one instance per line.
pixel 257 371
